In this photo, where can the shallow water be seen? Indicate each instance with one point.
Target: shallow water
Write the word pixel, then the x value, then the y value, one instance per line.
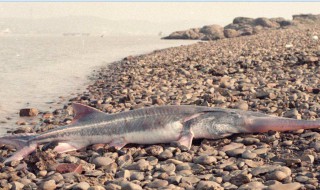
pixel 36 70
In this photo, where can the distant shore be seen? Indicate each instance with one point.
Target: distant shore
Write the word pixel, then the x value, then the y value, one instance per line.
pixel 244 26
pixel 275 72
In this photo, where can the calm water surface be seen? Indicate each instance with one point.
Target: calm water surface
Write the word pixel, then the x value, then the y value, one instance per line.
pixel 36 70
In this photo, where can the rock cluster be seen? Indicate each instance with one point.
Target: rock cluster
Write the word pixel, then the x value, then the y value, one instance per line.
pixel 276 72
pixel 242 26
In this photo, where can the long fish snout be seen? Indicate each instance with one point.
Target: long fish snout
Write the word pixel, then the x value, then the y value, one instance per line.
pixel 268 123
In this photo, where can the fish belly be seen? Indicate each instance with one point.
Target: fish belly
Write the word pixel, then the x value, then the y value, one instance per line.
pixel 168 133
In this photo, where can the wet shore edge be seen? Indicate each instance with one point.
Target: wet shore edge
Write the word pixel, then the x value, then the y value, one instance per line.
pixel 276 72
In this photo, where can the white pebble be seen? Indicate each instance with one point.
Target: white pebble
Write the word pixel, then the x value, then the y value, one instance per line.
pixel 315 38
pixel 289 46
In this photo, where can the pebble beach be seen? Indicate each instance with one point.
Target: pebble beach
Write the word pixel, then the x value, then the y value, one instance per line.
pixel 276 72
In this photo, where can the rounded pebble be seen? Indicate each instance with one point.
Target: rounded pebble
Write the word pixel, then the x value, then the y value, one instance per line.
pixel 81 186
pixel 102 161
pixel 48 185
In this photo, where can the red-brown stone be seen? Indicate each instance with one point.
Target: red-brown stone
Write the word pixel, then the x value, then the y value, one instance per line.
pixel 66 168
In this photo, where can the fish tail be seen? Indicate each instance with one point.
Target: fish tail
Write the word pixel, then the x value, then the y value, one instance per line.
pixel 18 140
pixel 22 142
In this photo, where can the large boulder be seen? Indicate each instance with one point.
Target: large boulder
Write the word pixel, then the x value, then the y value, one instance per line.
pixel 237 26
pixel 212 32
pixel 286 23
pixel 247 31
pixel 186 34
pixel 230 33
pixel 283 22
pixel 211 29
pixel 232 26
pixel 242 29
pixel 303 19
pixel 265 22
pixel 194 34
pixel 176 35
pixel 306 17
pixel 243 20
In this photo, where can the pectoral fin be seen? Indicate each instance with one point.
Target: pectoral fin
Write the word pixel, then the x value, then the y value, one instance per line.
pixel 63 147
pixel 118 143
pixel 186 139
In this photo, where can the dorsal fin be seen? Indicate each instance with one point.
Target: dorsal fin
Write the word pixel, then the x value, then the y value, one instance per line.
pixel 84 112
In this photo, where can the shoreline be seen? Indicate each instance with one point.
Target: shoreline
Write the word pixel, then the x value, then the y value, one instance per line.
pixel 78 79
pixel 275 72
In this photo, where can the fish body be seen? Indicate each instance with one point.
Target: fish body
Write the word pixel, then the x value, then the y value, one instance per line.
pixel 152 125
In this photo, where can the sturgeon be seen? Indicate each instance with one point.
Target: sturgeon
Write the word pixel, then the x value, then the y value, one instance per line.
pixel 162 124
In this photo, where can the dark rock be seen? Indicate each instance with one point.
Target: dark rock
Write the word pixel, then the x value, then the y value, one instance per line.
pixel 247 31
pixel 262 94
pixel 28 112
pixel 243 20
pixel 240 179
pixel 212 32
pixel 177 35
pixel 306 17
pixel 316 90
pixel 165 155
pixel 237 27
pixel 283 22
pixel 193 33
pixel 23 129
pixel 174 179
pixel 265 22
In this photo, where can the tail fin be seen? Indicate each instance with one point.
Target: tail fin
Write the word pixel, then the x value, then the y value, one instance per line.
pixel 18 140
pixel 23 144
